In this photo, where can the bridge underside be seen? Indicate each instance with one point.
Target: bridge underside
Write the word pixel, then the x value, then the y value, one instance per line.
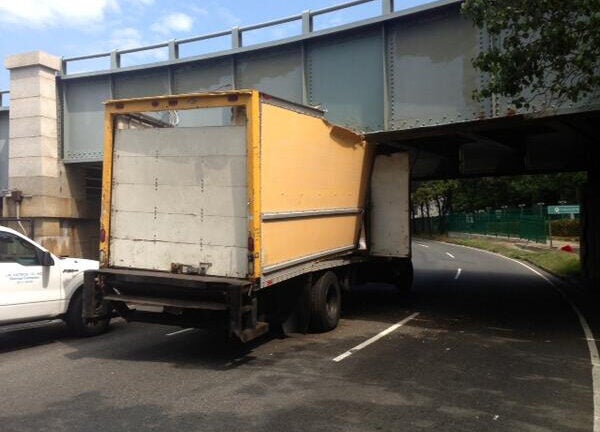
pixel 521 144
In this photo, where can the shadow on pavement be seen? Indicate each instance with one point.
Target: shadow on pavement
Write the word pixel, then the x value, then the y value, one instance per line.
pixel 148 343
pixel 15 340
pixel 491 351
pixel 375 302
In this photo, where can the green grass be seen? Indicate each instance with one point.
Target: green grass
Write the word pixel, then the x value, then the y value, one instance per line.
pixel 560 263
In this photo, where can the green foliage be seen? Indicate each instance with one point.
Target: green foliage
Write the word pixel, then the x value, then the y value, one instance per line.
pixel 433 191
pixel 550 48
pixel 437 193
pixel 566 227
pixel 489 192
pixel 468 195
pixel 474 195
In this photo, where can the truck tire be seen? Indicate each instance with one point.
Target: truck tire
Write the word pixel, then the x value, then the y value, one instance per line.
pixel 325 303
pixel 78 325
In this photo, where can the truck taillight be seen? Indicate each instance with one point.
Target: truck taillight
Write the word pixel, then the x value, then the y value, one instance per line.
pixel 250 244
pixel 102 235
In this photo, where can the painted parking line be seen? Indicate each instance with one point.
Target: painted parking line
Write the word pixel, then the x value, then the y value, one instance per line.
pixel 422 245
pixel 186 330
pixel 458 272
pixel 450 255
pixel 375 338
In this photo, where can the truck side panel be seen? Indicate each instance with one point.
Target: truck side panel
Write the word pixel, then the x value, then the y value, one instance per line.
pixel 314 178
pixel 292 240
pixel 180 197
pixel 389 222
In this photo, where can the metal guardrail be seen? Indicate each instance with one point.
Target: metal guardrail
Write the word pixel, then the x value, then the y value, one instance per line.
pixel 501 223
pixel 236 33
pixel 526 224
pixel 2 93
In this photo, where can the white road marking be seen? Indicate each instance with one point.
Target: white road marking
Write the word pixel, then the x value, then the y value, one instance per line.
pixel 450 255
pixel 458 272
pixel 375 338
pixel 589 336
pixel 423 245
pixel 180 331
pixel 587 331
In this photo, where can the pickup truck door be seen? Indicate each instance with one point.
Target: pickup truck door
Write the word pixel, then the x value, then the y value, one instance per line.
pixel 28 290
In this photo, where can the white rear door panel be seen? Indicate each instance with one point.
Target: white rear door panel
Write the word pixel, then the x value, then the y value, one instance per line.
pixel 180 196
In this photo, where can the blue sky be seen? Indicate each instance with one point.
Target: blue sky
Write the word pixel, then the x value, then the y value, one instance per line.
pixel 76 27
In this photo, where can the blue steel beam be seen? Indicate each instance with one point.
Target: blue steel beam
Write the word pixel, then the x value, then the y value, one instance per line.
pixel 307 27
pixel 287 68
pixel 394 72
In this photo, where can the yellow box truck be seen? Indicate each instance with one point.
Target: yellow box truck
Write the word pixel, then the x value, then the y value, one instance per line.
pixel 236 209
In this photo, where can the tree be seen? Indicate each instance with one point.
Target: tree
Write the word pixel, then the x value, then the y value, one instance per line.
pixel 548 48
pixel 473 194
pixel 438 193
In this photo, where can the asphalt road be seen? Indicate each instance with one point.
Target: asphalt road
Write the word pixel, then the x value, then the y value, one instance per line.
pixel 493 348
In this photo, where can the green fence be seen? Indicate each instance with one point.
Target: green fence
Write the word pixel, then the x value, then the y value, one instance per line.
pixel 501 223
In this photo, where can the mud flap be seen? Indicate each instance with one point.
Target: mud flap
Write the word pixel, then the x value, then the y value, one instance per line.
pixel 243 323
pixel 299 320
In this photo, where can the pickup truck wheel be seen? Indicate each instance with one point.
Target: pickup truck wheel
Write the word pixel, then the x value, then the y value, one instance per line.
pixel 325 303
pixel 78 325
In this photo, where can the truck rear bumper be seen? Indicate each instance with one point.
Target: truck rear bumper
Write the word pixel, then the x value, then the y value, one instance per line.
pixel 176 299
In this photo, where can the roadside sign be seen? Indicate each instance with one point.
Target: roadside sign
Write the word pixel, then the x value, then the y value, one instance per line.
pixel 563 209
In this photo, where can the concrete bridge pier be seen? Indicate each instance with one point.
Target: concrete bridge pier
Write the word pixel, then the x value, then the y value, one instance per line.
pixel 590 235
pixel 41 186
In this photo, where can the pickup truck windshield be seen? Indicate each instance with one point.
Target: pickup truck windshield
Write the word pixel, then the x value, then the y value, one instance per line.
pixel 16 250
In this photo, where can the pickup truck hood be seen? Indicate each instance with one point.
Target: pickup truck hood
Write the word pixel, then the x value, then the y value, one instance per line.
pixel 77 264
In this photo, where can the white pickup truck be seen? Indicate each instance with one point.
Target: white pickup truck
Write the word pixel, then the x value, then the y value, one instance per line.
pixel 36 286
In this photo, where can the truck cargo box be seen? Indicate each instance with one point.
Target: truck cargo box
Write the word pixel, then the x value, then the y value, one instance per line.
pixel 231 209
pixel 274 185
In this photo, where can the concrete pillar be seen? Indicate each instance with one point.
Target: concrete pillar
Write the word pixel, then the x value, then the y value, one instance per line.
pixel 590 236
pixel 50 193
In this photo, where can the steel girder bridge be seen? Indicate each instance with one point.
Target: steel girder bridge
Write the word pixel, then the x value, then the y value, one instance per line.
pixel 403 77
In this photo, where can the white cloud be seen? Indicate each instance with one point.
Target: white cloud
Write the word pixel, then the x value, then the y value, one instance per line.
pixel 198 10
pixel 128 37
pixel 283 32
pixel 177 22
pixel 227 16
pixel 52 13
pixel 125 38
pixel 141 3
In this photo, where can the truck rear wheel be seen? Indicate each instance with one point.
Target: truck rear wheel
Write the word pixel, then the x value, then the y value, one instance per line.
pixel 325 303
pixel 78 325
